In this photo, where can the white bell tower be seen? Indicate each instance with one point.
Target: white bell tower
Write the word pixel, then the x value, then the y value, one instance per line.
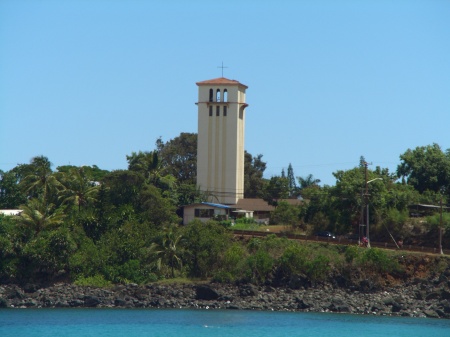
pixel 220 149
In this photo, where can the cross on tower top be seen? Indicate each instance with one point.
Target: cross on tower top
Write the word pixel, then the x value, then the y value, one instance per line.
pixel 222 68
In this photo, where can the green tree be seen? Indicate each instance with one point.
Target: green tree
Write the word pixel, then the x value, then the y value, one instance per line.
pixel 39 179
pixel 276 189
pixel 168 249
pixel 291 181
pixel 205 245
pixel 48 253
pixel 11 196
pixel 425 168
pixel 147 164
pixel 123 187
pixel 178 157
pixel 285 214
pixel 38 216
pixel 94 173
pixel 78 189
pixel 155 208
pixel 254 183
pixel 307 181
pixel 189 194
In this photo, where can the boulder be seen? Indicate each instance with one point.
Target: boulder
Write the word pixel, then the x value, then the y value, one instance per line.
pixel 248 290
pixel 120 302
pixel 445 294
pixel 431 313
pixel 30 288
pixel 3 303
pixel 433 296
pixel 301 304
pixel 205 292
pixel 91 301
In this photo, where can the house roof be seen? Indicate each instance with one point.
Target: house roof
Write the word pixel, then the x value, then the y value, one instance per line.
pixel 221 81
pixel 292 202
pixel 253 204
pixel 215 205
pixel 210 204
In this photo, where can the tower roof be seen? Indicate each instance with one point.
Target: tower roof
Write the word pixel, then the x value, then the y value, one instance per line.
pixel 221 81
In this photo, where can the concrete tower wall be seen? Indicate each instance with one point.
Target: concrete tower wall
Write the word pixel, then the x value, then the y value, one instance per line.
pixel 220 151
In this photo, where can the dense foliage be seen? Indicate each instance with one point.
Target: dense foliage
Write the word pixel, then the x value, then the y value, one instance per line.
pixel 91 226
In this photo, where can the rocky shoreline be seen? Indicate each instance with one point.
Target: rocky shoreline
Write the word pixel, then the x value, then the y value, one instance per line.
pixel 420 298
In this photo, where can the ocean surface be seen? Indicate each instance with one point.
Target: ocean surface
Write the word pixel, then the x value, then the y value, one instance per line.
pixel 181 322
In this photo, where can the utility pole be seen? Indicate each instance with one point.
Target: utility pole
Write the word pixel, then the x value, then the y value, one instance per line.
pixel 440 229
pixel 366 199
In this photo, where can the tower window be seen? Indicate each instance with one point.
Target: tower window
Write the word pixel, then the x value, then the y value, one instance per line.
pixel 210 110
pixel 225 95
pixel 211 93
pixel 225 111
pixel 218 95
pixel 218 110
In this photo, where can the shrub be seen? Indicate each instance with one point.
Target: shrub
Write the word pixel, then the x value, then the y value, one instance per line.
pixel 395 221
pixel 274 245
pixel 224 277
pixel 293 260
pixel 351 253
pixel 245 221
pixel 93 281
pixel 318 268
pixel 132 271
pixel 233 259
pixel 377 260
pixel 259 264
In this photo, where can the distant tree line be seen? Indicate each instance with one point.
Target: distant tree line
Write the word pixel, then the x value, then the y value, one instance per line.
pixel 85 224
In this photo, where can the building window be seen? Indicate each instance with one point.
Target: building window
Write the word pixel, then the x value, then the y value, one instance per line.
pixel 225 111
pixel 218 95
pixel 203 213
pixel 211 93
pixel 218 110
pixel 225 95
pixel 210 110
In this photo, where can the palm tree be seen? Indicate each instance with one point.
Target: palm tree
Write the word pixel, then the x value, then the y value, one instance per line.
pixel 37 215
pixel 308 181
pixel 168 250
pixel 78 189
pixel 146 163
pixel 39 178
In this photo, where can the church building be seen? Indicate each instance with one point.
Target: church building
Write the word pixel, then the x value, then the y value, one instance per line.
pixel 220 154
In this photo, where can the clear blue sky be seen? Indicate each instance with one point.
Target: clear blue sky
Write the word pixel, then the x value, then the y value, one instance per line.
pixel 89 82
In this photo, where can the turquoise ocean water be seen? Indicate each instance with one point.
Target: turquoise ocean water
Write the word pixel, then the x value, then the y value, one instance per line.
pixel 181 322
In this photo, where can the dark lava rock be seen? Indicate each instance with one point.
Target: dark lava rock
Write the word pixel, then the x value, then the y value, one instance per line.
pixel 91 301
pixel 3 303
pixel 298 282
pixel 30 288
pixel 366 285
pixel 445 294
pixel 396 307
pixel 120 302
pixel 204 292
pixel 432 296
pixel 301 304
pixel 431 313
pixel 247 290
